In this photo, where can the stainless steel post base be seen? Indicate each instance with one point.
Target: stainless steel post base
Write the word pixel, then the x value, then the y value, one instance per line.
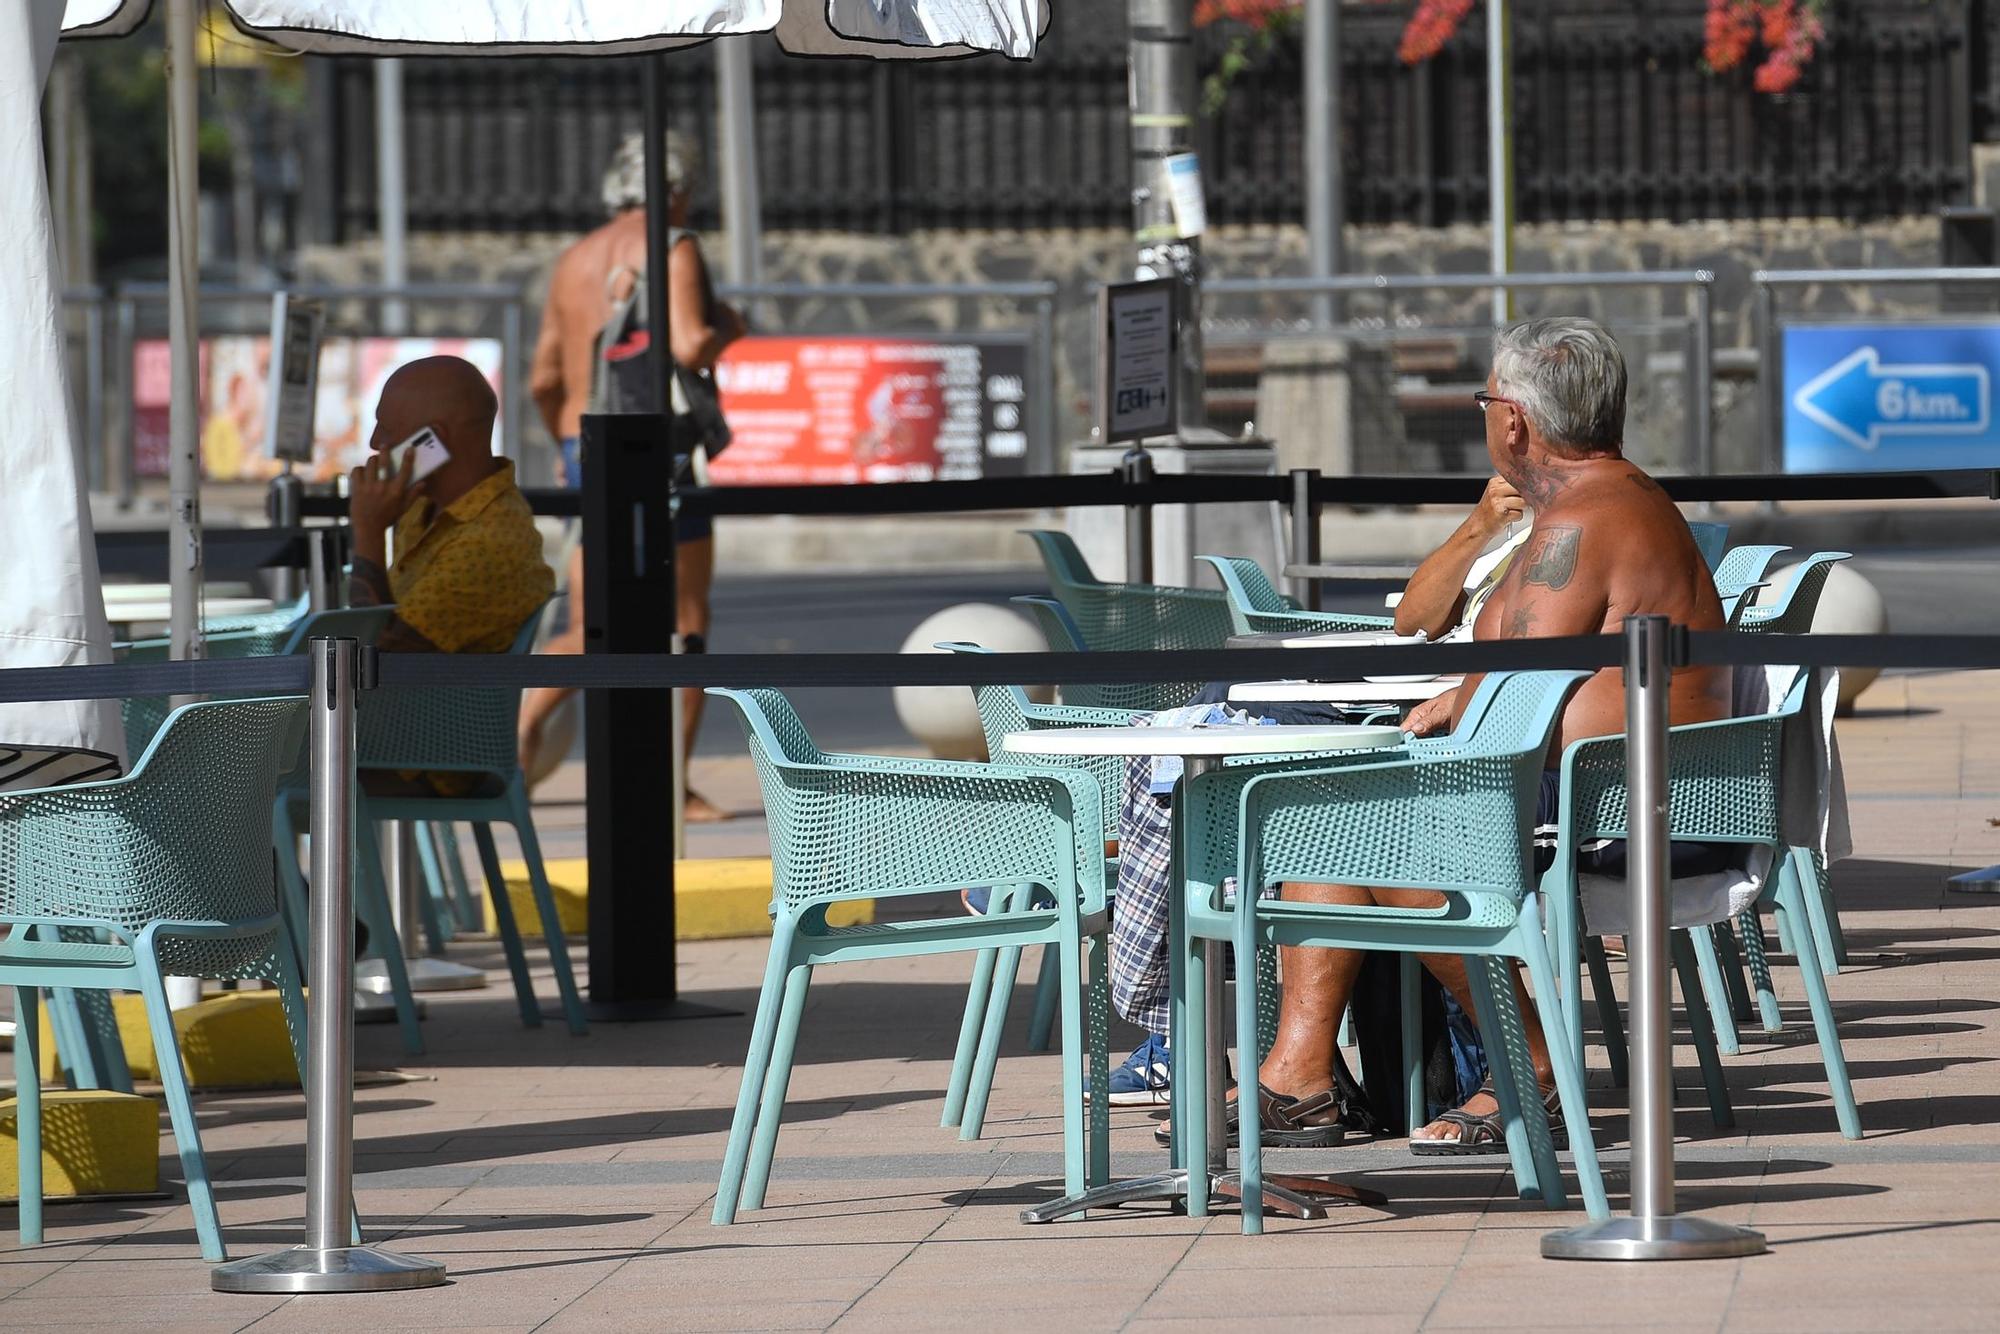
pixel 343 1269
pixel 426 974
pixel 1680 1237
pixel 1298 1197
pixel 373 1008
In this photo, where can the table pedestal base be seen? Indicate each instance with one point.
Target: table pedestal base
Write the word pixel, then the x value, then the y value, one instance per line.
pixel 1299 1197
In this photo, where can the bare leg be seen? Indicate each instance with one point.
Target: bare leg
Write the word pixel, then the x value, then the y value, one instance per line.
pixel 1317 983
pixel 1450 970
pixel 540 702
pixel 694 570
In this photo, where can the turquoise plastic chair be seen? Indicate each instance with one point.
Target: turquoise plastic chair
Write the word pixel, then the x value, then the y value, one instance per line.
pixel 1793 614
pixel 1005 709
pixel 869 827
pixel 470 732
pixel 1256 607
pixel 1117 618
pixel 1711 539
pixel 166 871
pixel 1059 628
pixel 1742 566
pixel 1454 815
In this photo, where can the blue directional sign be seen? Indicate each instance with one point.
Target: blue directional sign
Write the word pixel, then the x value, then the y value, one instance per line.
pixel 1890 398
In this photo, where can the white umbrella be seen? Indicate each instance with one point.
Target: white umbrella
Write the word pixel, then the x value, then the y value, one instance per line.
pixel 52 610
pixel 879 29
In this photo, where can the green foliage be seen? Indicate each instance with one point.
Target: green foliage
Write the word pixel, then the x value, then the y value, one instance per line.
pixel 1247 48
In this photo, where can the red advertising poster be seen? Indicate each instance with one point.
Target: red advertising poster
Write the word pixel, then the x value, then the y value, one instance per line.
pixel 235 374
pixel 808 410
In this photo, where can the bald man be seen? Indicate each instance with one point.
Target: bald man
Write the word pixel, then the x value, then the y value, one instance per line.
pixel 468 571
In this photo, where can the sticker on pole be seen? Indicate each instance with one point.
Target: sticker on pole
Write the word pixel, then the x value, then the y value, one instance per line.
pixel 1137 349
pixel 1890 397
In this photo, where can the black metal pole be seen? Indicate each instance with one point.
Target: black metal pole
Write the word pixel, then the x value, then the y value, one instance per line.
pixel 1305 532
pixel 1137 470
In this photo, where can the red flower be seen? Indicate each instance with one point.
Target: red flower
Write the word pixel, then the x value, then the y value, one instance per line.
pixel 1430 27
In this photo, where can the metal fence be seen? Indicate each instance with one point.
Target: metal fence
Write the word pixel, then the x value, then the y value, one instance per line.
pixel 1616 118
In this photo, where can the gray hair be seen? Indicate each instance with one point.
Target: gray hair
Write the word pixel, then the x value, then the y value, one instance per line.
pixel 1568 377
pixel 625 178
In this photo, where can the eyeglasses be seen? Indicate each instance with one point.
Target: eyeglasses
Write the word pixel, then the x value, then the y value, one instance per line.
pixel 1486 400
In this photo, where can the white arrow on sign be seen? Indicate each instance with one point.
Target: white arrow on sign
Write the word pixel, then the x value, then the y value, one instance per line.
pixel 1860 400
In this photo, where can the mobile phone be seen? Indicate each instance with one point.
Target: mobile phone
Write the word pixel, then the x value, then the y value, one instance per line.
pixel 430 451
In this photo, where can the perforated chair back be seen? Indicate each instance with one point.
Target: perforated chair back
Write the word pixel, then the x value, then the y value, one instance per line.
pixel 1061 558
pixel 1060 629
pixel 185 837
pixel 1742 566
pixel 455 730
pixel 1257 607
pixel 1793 615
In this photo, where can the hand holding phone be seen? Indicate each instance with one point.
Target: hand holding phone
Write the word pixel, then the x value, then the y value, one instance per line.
pixel 429 451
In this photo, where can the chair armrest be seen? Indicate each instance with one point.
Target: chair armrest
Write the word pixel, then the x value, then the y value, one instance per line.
pixel 1077 715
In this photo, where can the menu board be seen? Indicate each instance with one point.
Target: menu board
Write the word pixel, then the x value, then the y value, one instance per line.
pixel 839 409
pixel 1136 349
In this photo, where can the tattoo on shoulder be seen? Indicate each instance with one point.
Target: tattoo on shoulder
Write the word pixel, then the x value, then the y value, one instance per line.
pixel 1551 556
pixel 1643 482
pixel 1521 625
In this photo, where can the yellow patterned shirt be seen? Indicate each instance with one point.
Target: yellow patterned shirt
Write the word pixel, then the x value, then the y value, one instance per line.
pixel 468 577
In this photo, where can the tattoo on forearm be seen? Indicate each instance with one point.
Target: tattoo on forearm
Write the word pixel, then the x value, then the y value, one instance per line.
pixel 368 585
pixel 1552 556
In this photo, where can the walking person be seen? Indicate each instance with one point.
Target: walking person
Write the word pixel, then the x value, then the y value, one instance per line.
pixel 594 334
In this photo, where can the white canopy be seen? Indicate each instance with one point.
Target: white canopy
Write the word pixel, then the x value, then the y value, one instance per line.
pixel 882 29
pixel 52 610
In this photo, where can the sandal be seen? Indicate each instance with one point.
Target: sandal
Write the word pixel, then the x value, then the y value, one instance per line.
pixel 1282 1121
pixel 1486 1135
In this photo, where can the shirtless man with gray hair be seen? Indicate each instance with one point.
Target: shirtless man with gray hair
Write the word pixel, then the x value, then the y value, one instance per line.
pixel 1607 543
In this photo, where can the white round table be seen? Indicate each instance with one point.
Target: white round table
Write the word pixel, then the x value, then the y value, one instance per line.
pixel 160 613
pixel 1342 692
pixel 1201 749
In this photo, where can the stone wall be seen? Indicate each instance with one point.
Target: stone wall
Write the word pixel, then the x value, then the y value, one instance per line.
pixel 1077 261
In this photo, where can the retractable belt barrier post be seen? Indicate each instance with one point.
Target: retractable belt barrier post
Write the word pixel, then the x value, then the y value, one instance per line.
pixel 1136 470
pixel 1305 531
pixel 329 1260
pixel 1653 1231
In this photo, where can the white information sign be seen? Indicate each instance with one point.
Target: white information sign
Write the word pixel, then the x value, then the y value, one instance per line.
pixel 1136 370
pixel 296 327
pixel 1184 192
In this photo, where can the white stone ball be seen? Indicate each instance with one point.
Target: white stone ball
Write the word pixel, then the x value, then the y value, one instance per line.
pixel 1848 605
pixel 945 719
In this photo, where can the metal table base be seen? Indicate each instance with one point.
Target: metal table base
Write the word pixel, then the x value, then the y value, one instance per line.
pixel 1297 1196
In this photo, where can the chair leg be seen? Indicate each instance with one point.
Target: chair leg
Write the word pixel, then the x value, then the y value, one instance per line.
pixel 1758 965
pixel 503 918
pixel 1048 983
pixel 545 905
pixel 1569 946
pixel 1006 970
pixel 1098 1020
pixel 777 1079
pixel 1570 1087
pixel 977 994
pixel 28 1111
pixel 435 930
pixel 1816 911
pixel 1608 1022
pixel 1414 1102
pixel 465 903
pixel 180 1113
pixel 1731 956
pixel 1535 1173
pixel 1694 1002
pixel 1250 1153
pixel 371 901
pixel 1796 897
pixel 756 1066
pixel 1191 1073
pixel 1714 990
pixel 1076 1171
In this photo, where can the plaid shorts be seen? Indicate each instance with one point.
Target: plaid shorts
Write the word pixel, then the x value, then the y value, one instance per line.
pixel 1139 914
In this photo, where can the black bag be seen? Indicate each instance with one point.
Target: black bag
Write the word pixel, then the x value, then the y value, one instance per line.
pixel 1378 1030
pixel 622 378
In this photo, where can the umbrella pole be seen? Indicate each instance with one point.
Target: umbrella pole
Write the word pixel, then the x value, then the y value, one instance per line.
pixel 183 324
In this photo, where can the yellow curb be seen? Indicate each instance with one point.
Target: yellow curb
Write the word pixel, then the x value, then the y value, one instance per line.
pixel 715 898
pixel 94 1142
pixel 234 1040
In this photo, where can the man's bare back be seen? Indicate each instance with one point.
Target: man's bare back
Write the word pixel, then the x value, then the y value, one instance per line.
pixel 579 301
pixel 1607 543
